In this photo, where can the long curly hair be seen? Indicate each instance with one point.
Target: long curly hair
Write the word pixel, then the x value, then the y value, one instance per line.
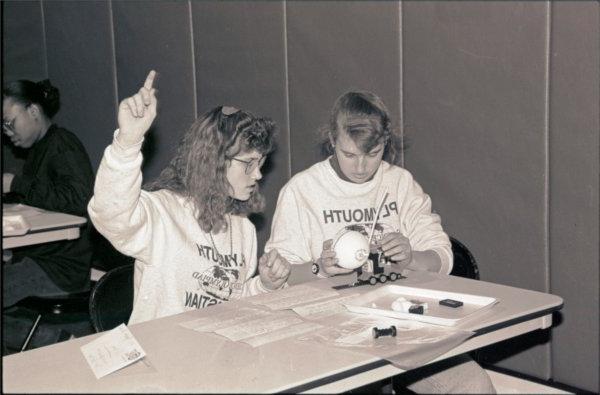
pixel 366 119
pixel 198 171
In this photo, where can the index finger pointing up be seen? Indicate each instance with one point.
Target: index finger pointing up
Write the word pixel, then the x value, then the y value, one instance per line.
pixel 150 79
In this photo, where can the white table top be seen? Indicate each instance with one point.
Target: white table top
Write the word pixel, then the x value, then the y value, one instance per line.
pixel 44 226
pixel 182 360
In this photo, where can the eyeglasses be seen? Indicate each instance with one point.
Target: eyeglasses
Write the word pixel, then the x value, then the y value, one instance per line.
pixel 251 164
pixel 9 126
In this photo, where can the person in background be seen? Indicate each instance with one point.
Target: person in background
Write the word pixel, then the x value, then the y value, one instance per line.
pixel 342 193
pixel 57 175
pixel 188 230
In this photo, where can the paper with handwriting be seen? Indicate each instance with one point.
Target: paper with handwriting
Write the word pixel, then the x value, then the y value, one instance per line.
pixel 112 351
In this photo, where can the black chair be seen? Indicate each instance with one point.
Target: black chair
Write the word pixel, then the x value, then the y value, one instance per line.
pixel 464 262
pixel 111 300
pixel 53 310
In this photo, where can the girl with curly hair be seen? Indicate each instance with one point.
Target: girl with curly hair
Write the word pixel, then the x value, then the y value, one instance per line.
pixel 188 230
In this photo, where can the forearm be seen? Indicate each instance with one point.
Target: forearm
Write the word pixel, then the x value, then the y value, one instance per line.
pixel 115 206
pixel 425 261
pixel 67 195
pixel 63 183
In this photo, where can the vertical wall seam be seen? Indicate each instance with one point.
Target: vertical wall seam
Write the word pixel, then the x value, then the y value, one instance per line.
pixel 193 49
pixel 45 44
pixel 547 203
pixel 547 146
pixel 287 91
pixel 401 79
pixel 114 53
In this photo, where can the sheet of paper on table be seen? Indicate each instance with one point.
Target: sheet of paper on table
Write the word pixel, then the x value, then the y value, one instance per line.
pixel 224 319
pixel 416 343
pixel 283 333
pixel 319 310
pixel 252 326
pixel 291 297
pixel 112 351
pixel 14 225
pixel 20 209
pixel 260 326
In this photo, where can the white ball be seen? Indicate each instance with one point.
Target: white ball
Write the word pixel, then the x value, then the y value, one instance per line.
pixel 351 249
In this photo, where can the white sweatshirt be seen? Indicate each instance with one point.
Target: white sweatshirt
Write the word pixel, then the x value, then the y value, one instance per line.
pixel 316 205
pixel 177 267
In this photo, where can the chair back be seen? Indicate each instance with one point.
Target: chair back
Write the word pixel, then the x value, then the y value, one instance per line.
pixel 464 262
pixel 111 300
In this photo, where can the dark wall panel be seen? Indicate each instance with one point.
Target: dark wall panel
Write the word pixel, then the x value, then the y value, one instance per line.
pixel 85 77
pixel 156 35
pixel 474 94
pixel 24 54
pixel 574 171
pixel 23 57
pixel 334 47
pixel 240 61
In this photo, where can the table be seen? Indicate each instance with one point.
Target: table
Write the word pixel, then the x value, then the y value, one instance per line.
pixel 182 360
pixel 45 226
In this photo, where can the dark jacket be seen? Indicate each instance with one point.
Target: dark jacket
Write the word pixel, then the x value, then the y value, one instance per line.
pixel 58 176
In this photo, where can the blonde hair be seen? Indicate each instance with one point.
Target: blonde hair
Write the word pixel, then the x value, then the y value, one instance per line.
pixel 366 119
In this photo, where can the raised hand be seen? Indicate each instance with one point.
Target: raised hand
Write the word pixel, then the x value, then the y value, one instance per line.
pixel 136 113
pixel 328 261
pixel 397 248
pixel 273 269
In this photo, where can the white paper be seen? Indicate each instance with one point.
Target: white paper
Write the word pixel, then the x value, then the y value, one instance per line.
pixel 259 326
pixel 225 320
pixel 323 309
pixel 112 351
pixel 21 209
pixel 283 293
pixel 222 319
pixel 292 297
pixel 283 333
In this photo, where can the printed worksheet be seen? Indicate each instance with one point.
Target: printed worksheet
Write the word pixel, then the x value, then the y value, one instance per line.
pixel 291 297
pixel 283 333
pixel 112 351
pixel 314 311
pixel 224 319
pixel 260 326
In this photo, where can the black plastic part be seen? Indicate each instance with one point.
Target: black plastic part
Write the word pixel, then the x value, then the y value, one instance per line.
pixel 416 309
pixel 451 303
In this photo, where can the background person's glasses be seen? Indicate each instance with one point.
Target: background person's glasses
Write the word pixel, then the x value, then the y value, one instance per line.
pixel 251 164
pixel 9 126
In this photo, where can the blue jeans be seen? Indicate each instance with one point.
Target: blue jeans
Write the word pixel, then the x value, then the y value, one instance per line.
pixel 26 278
pixel 20 280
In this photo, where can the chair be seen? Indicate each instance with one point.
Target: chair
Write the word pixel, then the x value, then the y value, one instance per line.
pixel 464 262
pixel 111 300
pixel 54 310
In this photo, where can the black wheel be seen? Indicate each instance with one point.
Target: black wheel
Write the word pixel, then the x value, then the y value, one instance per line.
pixel 383 278
pixel 393 276
pixel 372 280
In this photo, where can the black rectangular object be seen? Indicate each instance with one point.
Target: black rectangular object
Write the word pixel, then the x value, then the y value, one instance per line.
pixel 416 309
pixel 451 303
